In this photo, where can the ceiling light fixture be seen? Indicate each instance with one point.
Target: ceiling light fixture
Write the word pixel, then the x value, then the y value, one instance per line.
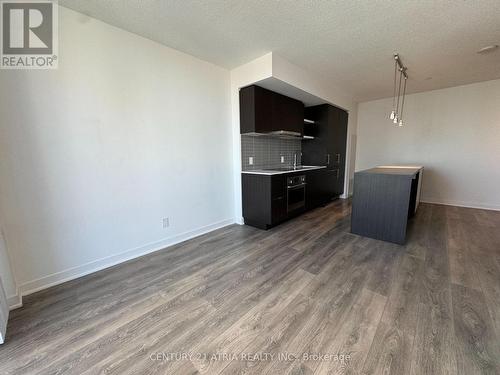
pixel 396 116
pixel 488 49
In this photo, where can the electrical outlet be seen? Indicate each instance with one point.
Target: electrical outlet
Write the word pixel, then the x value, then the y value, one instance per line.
pixel 166 222
pixel 282 159
pixel 250 160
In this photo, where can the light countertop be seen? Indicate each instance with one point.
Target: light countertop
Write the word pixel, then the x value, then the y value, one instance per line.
pixel 400 170
pixel 270 172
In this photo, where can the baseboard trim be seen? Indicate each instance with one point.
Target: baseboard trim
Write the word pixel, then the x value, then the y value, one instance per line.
pixel 461 204
pixel 110 261
pixel 15 301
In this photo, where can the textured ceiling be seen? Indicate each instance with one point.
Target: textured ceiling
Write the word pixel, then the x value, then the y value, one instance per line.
pixel 349 43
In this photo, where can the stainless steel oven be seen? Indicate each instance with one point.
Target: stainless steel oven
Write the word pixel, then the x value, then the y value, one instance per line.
pixel 296 193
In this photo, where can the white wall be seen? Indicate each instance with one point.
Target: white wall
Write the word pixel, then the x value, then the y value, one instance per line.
pixel 93 155
pixel 454 133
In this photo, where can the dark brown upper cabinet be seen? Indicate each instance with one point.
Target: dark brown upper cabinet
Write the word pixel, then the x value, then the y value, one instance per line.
pixel 264 111
pixel 328 147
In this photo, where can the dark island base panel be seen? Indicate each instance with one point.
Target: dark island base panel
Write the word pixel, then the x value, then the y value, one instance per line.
pixel 382 204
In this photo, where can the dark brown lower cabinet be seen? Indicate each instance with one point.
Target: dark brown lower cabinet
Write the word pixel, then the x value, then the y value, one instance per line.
pixel 265 197
pixel 278 199
pixel 336 178
pixel 317 188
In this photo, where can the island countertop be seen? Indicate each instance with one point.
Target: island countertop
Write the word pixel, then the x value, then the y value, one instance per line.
pixel 400 170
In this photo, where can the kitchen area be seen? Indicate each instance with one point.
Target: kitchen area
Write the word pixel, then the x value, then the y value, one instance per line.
pixel 293 157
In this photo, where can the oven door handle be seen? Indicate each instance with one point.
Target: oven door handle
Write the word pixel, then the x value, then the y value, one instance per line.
pixel 296 186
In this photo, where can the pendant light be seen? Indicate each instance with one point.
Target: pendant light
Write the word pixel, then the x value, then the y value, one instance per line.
pixel 393 113
pixel 403 103
pixel 396 117
pixel 397 112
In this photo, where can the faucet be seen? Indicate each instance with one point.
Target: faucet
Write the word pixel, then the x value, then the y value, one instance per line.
pixel 295 161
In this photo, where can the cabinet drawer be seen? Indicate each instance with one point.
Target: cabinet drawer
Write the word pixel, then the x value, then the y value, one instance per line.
pixel 278 186
pixel 278 209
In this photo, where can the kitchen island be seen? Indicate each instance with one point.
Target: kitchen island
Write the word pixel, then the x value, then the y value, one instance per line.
pixel 384 199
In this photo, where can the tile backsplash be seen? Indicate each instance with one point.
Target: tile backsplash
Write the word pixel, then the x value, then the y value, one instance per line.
pixel 267 151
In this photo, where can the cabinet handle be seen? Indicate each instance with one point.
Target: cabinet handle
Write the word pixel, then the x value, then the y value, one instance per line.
pixel 328 159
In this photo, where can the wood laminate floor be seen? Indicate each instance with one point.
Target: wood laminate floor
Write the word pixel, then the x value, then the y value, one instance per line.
pixel 319 299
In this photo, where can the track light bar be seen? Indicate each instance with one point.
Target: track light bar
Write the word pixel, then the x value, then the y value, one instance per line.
pixel 402 68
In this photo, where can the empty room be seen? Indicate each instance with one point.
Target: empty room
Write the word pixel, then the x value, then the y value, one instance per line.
pixel 249 187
